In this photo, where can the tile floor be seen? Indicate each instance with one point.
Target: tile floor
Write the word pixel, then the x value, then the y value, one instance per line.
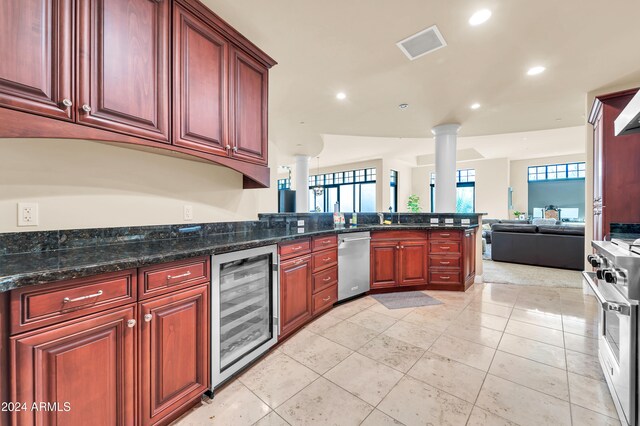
pixel 495 355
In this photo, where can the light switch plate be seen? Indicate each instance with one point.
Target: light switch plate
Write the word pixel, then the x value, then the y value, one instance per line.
pixel 300 230
pixel 188 212
pixel 465 221
pixel 433 220
pixel 301 222
pixel 448 220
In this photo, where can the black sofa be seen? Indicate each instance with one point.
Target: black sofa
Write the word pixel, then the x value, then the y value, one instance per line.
pixel 486 233
pixel 553 246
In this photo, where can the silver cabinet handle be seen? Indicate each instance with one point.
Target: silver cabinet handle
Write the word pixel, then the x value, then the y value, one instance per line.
pixel 228 147
pixel 296 248
pixel 348 240
pixel 326 259
pixel 445 263
pixel 172 277
pixel 77 299
pixel 326 299
pixel 131 323
pixel 398 247
pixel 66 103
pixel 148 317
pixel 297 262
pixel 235 149
pixel 86 108
pixel 445 278
pixel 445 235
pixel 326 242
pixel 326 279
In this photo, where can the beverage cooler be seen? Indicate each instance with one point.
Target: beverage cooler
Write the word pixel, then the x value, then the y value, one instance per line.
pixel 244 309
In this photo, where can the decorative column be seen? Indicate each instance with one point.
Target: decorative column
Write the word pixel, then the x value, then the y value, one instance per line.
pixel 302 184
pixel 446 140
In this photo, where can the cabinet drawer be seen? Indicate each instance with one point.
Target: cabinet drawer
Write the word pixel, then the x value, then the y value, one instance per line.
pixel 324 279
pixel 325 299
pixel 35 307
pixel 448 247
pixel 398 235
pixel 441 277
pixel 444 261
pixel 294 248
pixel 167 277
pixel 324 259
pixel 444 235
pixel 321 243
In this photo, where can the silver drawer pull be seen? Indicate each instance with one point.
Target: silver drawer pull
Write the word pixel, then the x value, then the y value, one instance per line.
pixel 297 248
pixel 445 235
pixel 326 242
pixel 326 279
pixel 326 299
pixel 148 317
pixel 173 277
pixel 326 259
pixel 77 299
pixel 297 262
pixel 445 263
pixel 445 278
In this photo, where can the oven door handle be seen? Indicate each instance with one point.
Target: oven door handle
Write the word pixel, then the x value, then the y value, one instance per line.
pixel 619 308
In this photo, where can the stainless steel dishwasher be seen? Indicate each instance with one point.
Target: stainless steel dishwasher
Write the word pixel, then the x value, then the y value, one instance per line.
pixel 353 264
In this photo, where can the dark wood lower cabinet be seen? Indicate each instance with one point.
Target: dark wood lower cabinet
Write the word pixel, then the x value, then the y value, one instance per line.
pixel 384 264
pixel 295 293
pixel 85 366
pixel 413 263
pixel 174 352
pixel 396 262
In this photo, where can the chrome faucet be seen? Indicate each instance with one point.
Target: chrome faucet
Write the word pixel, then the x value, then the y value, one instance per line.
pixel 381 217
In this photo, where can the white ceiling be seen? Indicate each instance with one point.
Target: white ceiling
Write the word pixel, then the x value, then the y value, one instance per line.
pixel 335 45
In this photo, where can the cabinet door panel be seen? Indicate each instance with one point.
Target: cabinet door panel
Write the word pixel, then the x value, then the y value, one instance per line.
pixel 413 262
pixel 171 377
pixel 295 293
pixel 384 264
pixel 123 66
pixel 36 46
pixel 89 363
pixel 249 89
pixel 200 85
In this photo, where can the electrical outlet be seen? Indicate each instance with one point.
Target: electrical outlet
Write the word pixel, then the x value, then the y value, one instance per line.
pixel 188 212
pixel 27 214
pixel 301 222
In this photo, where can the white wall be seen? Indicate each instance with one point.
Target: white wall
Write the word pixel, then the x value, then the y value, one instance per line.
pixel 519 176
pixel 85 184
pixel 492 183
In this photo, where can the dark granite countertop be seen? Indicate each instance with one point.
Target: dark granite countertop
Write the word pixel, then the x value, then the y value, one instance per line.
pixel 25 269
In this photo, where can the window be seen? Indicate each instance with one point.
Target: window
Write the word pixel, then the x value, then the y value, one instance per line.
pixel 284 183
pixel 557 172
pixel 355 190
pixel 393 187
pixel 465 191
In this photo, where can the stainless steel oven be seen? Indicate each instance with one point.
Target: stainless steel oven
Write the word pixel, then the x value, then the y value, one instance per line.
pixel 615 285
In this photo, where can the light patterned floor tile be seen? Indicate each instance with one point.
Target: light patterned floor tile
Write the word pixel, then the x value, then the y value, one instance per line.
pixel 581 344
pixel 522 405
pixel 538 318
pixel 349 334
pixel 582 416
pixel 393 313
pixel 378 418
pixel 490 308
pixel 319 325
pixel 271 419
pixel 316 352
pixel 532 374
pixel 234 405
pixel 464 351
pixel 480 417
pixel 277 378
pixel 582 327
pixel 365 378
pixel 475 333
pixel 533 350
pixel 450 376
pixel 413 334
pixel 413 402
pixel 323 403
pixel 431 322
pixel 585 365
pixel 372 320
pixel 485 320
pixel 535 332
pixel 392 352
pixel 591 394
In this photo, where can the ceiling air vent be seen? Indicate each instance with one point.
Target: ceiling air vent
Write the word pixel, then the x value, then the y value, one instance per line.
pixel 426 41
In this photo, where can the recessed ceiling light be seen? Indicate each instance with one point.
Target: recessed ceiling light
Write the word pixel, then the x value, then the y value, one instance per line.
pixel 341 95
pixel 480 17
pixel 403 106
pixel 536 70
pixel 475 106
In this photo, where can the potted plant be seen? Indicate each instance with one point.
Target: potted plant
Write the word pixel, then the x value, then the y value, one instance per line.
pixel 519 215
pixel 413 204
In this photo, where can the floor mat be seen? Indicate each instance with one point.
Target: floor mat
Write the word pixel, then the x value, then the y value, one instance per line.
pixel 409 299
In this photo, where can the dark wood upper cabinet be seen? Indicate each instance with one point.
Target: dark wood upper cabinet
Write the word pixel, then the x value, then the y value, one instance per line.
pixel 89 363
pixel 200 70
pixel 249 103
pixel 36 57
pixel 174 352
pixel 123 66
